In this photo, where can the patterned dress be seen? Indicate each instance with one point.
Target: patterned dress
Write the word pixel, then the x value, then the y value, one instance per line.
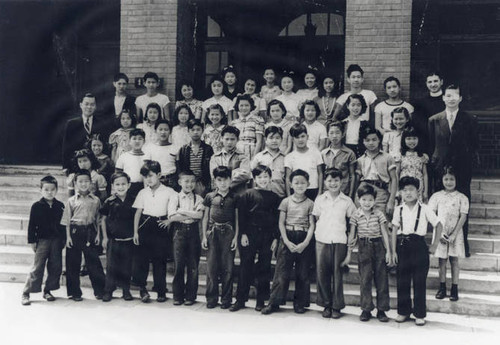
pixel 413 165
pixel 448 207
pixel 212 136
pixel 250 127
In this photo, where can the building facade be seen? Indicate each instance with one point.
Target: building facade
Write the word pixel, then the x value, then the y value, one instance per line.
pixel 85 43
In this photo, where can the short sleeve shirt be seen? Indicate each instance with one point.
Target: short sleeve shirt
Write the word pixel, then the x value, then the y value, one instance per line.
pixel 291 103
pixel 341 160
pixel 369 96
pixel 81 210
pixel 375 168
pixel 212 136
pixel 224 102
pixel 150 131
pixel 222 208
pixel 308 161
pixel 165 155
pixel 352 130
pixel 409 217
pixel 119 217
pixel 185 202
pixel 368 227
pixel 154 202
pixel 297 213
pixel 249 127
pixel 98 182
pixel 316 132
pixel 384 110
pixel 277 165
pixel 331 214
pixel 180 136
pixel 144 100
pixel 131 164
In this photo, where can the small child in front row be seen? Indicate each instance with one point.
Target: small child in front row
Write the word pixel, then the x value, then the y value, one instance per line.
pixel 258 217
pixel 296 224
pixel 452 208
pixel 185 210
pixel 81 219
pixel 339 156
pixel 305 158
pixel 117 224
pixel 46 236
pixel 150 231
pixel 331 211
pixel 410 251
pixel 369 228
pixel 220 237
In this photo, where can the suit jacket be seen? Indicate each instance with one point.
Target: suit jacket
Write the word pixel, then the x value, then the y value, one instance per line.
pixel 456 147
pixel 75 136
pixel 109 111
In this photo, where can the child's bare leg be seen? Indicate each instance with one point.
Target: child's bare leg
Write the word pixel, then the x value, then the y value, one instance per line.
pixel 455 270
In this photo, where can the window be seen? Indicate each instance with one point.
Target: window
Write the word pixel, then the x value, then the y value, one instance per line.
pixel 214 62
pixel 327 24
pixel 213 29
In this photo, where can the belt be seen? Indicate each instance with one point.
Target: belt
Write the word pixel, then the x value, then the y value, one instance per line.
pixel 377 183
pixel 370 239
pixel 154 218
pixel 403 239
pixel 296 228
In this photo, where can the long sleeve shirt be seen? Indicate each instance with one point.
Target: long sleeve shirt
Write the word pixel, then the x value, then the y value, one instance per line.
pixel 45 220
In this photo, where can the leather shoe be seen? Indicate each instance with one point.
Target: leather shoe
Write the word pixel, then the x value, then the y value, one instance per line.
pixel 237 306
pixel 225 305
pixel 107 297
pixel 48 296
pixel 269 309
pixel 441 293
pixel 299 310
pixel 327 312
pixel 127 296
pixel 178 302
pixel 188 302
pixel 25 300
pixel 382 317
pixel 77 298
pixel 336 314
pixel 365 316
pixel 211 305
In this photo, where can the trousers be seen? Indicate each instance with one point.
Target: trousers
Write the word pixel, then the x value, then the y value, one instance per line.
pixel 48 252
pixel 119 265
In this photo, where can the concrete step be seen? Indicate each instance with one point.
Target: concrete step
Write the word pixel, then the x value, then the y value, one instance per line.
pixel 484 226
pixel 485 197
pixel 13 221
pixel 28 180
pixel 485 184
pixel 40 170
pixel 487 211
pixel 469 303
pixel 26 194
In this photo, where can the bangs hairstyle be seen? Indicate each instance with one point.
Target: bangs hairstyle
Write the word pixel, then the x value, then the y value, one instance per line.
pixel 150 166
pixel 321 88
pixel 182 83
pixel 215 78
pixel 338 124
pixel 159 122
pixel 247 98
pixel 175 120
pixel 361 100
pixel 409 181
pixel 448 169
pixel 297 129
pixel 333 173
pixel 271 130
pixel 153 106
pixel 299 172
pixel 94 163
pixel 279 104
pixel 226 70
pixel 137 132
pixel 130 114
pixel 354 68
pixel 218 107
pixel 222 172
pixel 49 179
pixel 366 131
pixel 97 137
pixel 117 175
pixel 303 107
pixel 366 189
pixel 411 132
pixel 400 110
pixel 260 169
pixel 255 80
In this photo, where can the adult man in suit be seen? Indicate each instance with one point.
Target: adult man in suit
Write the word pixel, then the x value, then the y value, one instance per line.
pixel 79 129
pixel 113 104
pixel 453 139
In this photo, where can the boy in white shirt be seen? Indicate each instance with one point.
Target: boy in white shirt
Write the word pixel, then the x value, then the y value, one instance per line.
pixel 151 82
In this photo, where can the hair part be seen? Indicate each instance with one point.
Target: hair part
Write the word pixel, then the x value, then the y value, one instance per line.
pixel 271 130
pixel 361 100
pixel 297 129
pixel 299 172
pixel 366 189
pixel 150 166
pixel 278 103
pixel 354 68
pixel 117 175
pixel 333 173
pixel 310 103
pixel 178 110
pixel 49 179
pixel 222 172
pixel 230 130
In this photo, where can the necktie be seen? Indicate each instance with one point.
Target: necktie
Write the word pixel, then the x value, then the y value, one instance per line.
pixel 451 120
pixel 87 125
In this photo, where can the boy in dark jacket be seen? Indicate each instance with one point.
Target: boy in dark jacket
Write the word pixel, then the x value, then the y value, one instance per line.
pixel 46 236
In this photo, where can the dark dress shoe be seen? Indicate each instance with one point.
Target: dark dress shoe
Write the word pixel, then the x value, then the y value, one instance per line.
pixel 327 313
pixel 269 309
pixel 211 305
pixel 336 314
pixel 189 302
pixel 441 293
pixel 299 310
pixel 237 306
pixel 382 317
pixel 127 296
pixel 365 316
pixel 48 296
pixel 225 305
pixel 107 297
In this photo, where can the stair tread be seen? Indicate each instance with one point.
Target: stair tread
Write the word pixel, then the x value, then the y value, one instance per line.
pixel 14 216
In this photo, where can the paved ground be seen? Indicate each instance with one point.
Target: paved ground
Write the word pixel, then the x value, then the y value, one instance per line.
pixel 118 322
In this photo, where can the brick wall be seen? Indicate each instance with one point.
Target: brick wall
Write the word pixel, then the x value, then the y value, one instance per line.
pixel 378 38
pixel 149 40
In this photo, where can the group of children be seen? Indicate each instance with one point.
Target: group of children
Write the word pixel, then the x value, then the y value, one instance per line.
pixel 302 175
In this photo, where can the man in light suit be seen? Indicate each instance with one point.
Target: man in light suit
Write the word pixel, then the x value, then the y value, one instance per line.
pixel 79 129
pixel 453 139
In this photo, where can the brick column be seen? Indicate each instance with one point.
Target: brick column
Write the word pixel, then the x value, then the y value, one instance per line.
pixel 148 40
pixel 378 38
